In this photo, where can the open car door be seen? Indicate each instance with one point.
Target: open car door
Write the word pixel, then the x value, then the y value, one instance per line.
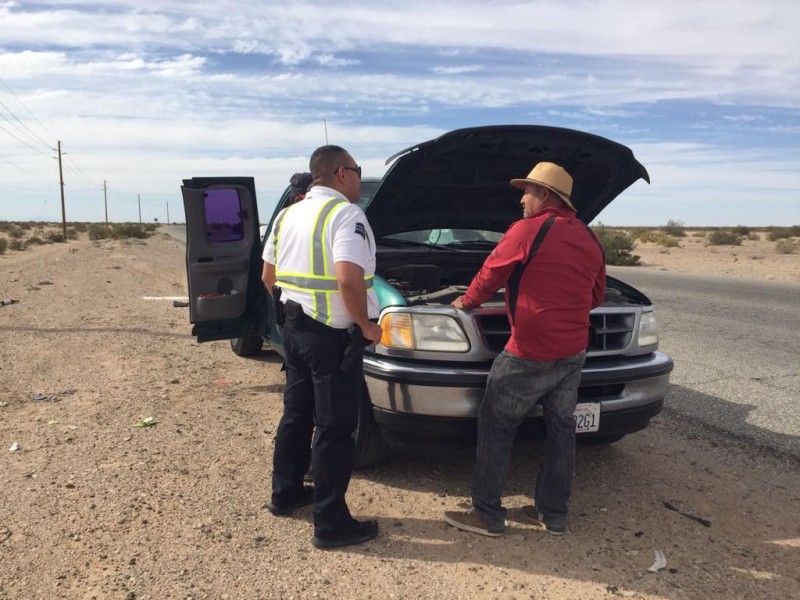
pixel 223 258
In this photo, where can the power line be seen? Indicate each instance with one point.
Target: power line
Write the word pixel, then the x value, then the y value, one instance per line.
pixel 10 91
pixel 26 131
pixel 24 142
pixel 4 159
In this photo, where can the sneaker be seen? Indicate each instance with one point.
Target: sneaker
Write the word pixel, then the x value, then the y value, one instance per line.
pixel 551 528
pixel 469 520
pixel 306 497
pixel 361 531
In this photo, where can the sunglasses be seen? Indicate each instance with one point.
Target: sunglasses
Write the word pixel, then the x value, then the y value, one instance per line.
pixel 355 169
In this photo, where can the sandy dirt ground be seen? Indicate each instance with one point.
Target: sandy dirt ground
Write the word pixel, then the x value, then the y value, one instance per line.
pixel 92 506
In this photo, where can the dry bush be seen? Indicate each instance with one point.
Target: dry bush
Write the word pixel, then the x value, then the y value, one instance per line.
pixel 18 245
pixel 786 247
pixel 662 239
pixel 55 236
pixel 618 246
pixel 3 245
pixel 781 233
pixel 674 228
pixel 723 237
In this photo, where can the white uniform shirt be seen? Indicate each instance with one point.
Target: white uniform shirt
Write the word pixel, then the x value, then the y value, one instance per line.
pixel 347 237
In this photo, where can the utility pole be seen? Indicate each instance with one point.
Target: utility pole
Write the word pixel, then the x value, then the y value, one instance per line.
pixel 61 179
pixel 167 212
pixel 105 200
pixel 139 198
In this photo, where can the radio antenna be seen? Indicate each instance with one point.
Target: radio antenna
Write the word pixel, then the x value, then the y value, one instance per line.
pixel 325 124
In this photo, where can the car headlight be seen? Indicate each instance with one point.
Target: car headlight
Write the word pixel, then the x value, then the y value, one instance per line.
pixel 648 331
pixel 438 333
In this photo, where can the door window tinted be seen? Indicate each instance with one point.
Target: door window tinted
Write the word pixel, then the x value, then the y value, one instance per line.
pixel 223 216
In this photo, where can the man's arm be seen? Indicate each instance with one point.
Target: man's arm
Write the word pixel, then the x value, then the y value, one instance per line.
pixel 350 277
pixel 268 276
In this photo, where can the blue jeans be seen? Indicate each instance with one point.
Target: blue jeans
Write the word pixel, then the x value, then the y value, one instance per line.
pixel 515 385
pixel 319 396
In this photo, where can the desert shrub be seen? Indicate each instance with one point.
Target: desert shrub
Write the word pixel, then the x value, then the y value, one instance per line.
pixel 150 227
pixel 35 240
pixel 72 234
pixel 699 234
pixel 3 245
pixel 662 239
pixel 674 228
pixel 723 237
pixel 55 236
pixel 15 231
pixel 618 246
pixel 129 230
pixel 787 247
pixel 80 227
pixel 26 226
pixel 5 225
pixel 753 236
pixel 643 235
pixel 742 230
pixel 17 245
pixel 98 232
pixel 781 233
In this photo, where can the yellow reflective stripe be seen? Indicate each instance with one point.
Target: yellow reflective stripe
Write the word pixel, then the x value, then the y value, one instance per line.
pixel 318 283
pixel 323 246
pixel 319 258
pixel 278 231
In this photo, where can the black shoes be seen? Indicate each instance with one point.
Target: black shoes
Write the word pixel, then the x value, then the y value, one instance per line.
pixel 360 532
pixel 306 497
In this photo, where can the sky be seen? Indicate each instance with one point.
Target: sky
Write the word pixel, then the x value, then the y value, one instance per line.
pixel 142 95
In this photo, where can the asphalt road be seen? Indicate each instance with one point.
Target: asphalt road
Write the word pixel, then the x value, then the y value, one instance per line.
pixel 736 347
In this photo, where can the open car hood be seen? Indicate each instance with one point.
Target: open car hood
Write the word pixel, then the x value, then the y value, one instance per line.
pixel 461 179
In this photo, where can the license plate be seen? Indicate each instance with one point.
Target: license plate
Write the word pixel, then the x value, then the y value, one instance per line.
pixel 587 417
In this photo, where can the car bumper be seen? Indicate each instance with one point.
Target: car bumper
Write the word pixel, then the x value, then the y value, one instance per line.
pixel 419 397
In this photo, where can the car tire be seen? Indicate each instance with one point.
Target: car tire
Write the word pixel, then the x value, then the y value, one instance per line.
pixel 601 440
pixel 371 447
pixel 247 346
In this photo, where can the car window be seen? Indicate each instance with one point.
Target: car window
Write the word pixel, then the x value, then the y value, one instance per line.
pixel 223 212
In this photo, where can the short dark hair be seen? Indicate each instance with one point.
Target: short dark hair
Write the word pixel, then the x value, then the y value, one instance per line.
pixel 324 161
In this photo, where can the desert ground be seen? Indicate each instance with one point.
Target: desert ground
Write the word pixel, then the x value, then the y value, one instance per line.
pixel 93 506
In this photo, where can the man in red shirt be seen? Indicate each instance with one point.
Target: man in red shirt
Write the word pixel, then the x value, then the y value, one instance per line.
pixel 553 268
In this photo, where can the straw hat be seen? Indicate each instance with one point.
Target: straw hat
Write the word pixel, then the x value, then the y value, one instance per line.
pixel 551 176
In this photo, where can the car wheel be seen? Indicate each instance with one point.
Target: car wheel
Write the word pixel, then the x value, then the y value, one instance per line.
pixel 600 440
pixel 371 447
pixel 247 346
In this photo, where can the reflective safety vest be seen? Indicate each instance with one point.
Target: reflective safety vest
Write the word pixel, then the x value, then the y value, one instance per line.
pixel 319 279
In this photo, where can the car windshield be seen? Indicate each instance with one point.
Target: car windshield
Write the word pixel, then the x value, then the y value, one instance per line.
pixel 448 237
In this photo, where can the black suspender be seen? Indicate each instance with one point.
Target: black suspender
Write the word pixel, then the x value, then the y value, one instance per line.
pixel 512 286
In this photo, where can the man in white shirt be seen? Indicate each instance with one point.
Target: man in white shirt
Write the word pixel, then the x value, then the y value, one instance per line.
pixel 320 254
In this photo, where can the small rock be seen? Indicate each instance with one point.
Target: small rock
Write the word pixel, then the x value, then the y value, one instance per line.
pixel 15 447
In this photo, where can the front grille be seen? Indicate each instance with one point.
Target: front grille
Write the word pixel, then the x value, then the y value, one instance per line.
pixel 607 331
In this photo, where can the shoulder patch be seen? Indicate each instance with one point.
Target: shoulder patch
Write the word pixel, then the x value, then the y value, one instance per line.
pixel 361 230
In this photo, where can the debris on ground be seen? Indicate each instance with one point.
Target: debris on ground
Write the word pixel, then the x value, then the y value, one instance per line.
pixel 14 447
pixel 688 514
pixel 7 301
pixel 147 422
pixel 179 304
pixel 52 397
pixel 660 562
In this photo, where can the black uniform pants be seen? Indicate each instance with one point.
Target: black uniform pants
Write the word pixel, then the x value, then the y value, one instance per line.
pixel 317 394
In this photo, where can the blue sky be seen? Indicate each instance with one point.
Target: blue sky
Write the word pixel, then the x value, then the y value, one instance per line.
pixel 706 93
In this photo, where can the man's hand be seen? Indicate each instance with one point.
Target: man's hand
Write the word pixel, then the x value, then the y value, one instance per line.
pixel 372 332
pixel 458 303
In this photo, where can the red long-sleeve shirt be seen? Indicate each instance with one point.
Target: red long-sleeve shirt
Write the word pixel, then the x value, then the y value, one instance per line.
pixel 562 283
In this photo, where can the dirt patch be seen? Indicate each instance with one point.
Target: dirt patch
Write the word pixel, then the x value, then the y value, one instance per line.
pixel 94 507
pixel 753 259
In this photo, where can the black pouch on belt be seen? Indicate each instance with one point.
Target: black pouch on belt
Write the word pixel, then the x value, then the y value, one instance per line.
pixel 293 313
pixel 277 305
pixel 355 348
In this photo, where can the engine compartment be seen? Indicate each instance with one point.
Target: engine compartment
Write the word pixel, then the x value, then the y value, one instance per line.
pixel 425 278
